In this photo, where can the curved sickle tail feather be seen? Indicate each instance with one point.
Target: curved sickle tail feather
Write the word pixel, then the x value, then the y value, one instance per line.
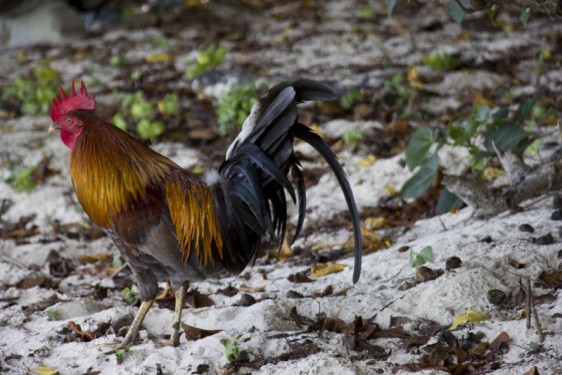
pixel 251 183
pixel 303 132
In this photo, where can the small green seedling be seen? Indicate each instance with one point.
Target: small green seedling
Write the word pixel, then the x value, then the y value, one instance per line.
pixel 441 61
pixel 169 105
pixel 231 348
pixel 208 58
pixel 419 259
pixel 131 294
pixel 116 261
pixel 120 354
pixel 350 99
pixel 22 180
pixel 352 136
pixel 52 313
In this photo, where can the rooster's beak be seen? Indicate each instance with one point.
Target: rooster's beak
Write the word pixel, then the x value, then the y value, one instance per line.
pixel 54 127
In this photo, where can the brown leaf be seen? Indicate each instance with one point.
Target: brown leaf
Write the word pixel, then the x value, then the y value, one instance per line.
pixel 502 338
pixel 299 319
pixel 36 279
pixel 42 305
pixel 299 277
pixel 228 291
pixel 79 335
pixel 196 299
pixel 424 274
pixel 551 280
pixel 194 333
pixel 532 371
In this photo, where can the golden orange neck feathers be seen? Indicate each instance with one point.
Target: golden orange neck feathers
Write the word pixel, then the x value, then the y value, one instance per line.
pixel 110 168
pixel 113 174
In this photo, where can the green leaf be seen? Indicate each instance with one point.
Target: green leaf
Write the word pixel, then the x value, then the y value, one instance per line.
pixel 390 4
pixel 441 61
pixel 348 100
pixel 500 114
pixel 524 16
pixel 524 109
pixel 419 259
pixel 169 105
pixel 491 13
pixel 231 349
pixel 23 180
pixel 446 202
pixel 116 261
pixel 418 147
pixel 150 129
pixel 462 134
pixel 421 181
pixel 482 113
pixel 119 121
pixel 508 137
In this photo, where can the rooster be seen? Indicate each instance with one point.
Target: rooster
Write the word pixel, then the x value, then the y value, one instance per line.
pixel 170 224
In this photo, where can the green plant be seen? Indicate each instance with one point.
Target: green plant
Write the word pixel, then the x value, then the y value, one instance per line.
pixel 422 257
pixel 234 106
pixel 352 136
pixel 145 114
pixel 22 180
pixel 52 313
pixel 169 105
pixel 349 99
pixel 34 93
pixel 116 260
pixel 441 61
pixel 208 58
pixel 481 132
pixel 120 354
pixel 132 294
pixel 231 349
pixel 398 91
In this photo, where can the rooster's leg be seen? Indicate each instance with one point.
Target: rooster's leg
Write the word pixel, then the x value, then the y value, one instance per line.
pixel 180 299
pixel 135 326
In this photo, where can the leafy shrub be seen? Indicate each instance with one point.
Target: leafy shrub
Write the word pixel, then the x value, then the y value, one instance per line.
pixel 233 108
pixel 33 93
pixel 480 132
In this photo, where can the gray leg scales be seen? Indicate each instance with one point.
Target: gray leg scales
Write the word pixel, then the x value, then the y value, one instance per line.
pixel 135 325
pixel 180 299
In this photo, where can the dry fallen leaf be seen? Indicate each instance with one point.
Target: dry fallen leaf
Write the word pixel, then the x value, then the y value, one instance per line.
pixel 375 222
pixel 249 289
pixel 194 333
pixel 44 370
pixel 371 241
pixel 469 317
pixel 158 58
pixel 323 269
pixel 502 338
pixel 367 161
pixel 532 371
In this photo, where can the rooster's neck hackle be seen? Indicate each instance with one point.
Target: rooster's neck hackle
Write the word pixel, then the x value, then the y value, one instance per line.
pixel 111 170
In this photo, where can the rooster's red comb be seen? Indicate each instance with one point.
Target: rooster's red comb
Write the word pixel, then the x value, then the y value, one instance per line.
pixel 73 102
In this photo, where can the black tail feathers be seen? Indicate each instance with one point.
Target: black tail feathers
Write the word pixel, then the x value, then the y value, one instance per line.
pixel 250 192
